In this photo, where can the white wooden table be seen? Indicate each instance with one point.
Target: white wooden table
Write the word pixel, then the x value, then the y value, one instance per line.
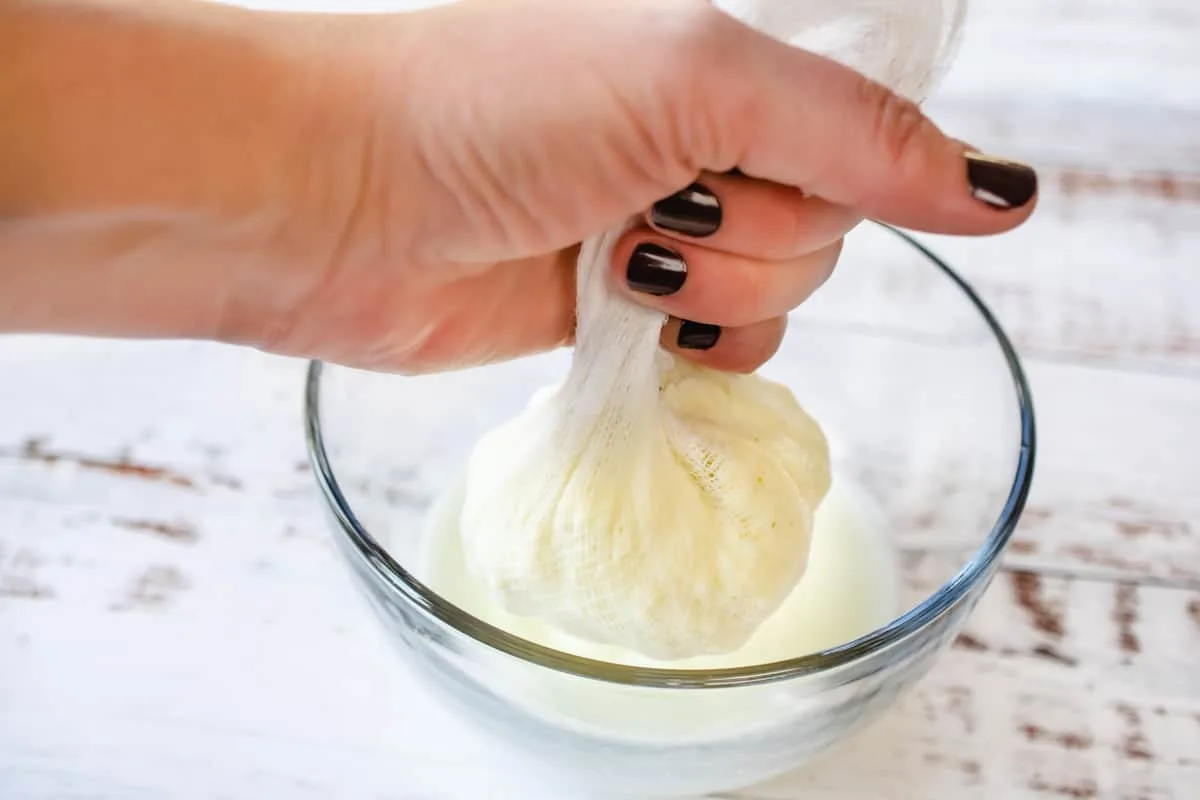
pixel 174 623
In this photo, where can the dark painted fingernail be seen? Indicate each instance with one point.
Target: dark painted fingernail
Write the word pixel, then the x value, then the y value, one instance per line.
pixel 697 335
pixel 654 269
pixel 693 212
pixel 999 183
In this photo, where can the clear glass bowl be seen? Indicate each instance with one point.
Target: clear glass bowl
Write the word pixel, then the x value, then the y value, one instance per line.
pixel 926 408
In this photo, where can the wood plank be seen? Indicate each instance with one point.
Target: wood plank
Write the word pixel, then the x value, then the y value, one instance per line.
pixel 173 620
pixel 1114 491
pixel 98 489
pixel 1059 688
pixel 1113 495
pixel 1122 137
pixel 1104 271
pixel 1080 51
pixel 1095 278
pixel 1102 274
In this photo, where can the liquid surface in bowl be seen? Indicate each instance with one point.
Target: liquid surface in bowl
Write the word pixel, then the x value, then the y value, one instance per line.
pixel 849 589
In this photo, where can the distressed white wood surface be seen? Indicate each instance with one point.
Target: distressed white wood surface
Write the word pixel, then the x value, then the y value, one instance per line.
pixel 174 623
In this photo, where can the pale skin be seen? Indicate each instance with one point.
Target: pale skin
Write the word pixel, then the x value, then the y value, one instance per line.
pixel 407 192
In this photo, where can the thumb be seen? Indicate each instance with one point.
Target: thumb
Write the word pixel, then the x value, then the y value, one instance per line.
pixel 796 118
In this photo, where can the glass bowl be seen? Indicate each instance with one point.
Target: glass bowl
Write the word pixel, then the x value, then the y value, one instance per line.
pixel 927 411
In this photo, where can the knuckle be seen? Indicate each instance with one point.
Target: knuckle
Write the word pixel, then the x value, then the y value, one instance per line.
pixel 692 67
pixel 801 225
pixel 898 124
pixel 749 297
pixel 723 294
pixel 795 229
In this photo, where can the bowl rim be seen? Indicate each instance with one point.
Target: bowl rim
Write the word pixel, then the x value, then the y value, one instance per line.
pixel 930 610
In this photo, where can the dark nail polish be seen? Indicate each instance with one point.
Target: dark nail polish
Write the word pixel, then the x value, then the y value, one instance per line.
pixel 999 183
pixel 693 212
pixel 697 335
pixel 653 269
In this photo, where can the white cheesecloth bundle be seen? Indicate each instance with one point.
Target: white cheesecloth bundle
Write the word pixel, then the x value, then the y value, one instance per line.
pixel 649 503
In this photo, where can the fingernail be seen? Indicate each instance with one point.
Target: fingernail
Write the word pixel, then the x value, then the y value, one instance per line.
pixel 654 269
pixel 695 211
pixel 697 335
pixel 999 183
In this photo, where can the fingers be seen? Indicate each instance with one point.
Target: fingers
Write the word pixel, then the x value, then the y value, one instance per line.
pixel 792 117
pixel 880 154
pixel 742 349
pixel 728 257
pixel 697 283
pixel 736 214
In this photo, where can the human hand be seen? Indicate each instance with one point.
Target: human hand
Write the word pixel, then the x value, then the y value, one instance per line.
pixel 445 164
pixel 510 131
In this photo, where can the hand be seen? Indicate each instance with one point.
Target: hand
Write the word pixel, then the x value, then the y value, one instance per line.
pixel 510 131
pixel 452 160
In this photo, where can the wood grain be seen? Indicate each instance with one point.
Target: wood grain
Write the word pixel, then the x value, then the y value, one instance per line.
pixel 1103 274
pixel 1105 270
pixel 1113 494
pixel 174 622
pixel 1060 688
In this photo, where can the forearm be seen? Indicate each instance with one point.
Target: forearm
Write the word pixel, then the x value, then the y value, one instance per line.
pixel 147 150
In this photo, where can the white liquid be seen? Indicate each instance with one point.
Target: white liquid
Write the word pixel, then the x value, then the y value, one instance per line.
pixel 849 589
